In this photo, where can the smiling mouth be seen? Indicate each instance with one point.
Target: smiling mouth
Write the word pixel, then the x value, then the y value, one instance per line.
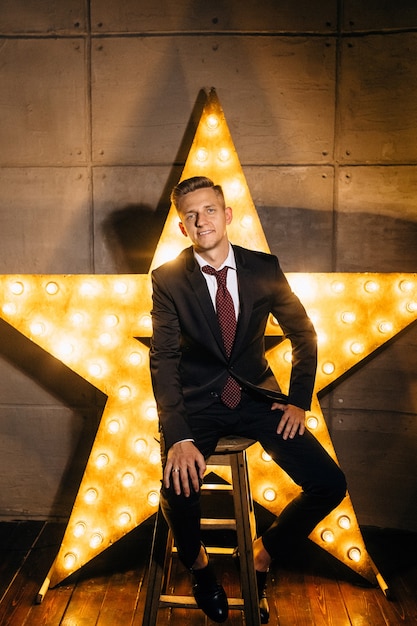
pixel 205 232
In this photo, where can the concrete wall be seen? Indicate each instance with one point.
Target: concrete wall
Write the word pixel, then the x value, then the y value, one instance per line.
pixel 98 105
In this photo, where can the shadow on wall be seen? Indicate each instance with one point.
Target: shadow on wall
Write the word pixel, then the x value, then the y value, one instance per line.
pixel 84 400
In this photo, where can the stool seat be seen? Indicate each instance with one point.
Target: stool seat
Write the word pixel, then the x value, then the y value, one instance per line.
pixel 230 450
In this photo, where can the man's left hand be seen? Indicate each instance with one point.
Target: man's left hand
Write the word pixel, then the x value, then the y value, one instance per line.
pixel 292 420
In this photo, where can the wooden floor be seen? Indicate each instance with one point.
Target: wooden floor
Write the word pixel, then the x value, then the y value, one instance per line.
pixel 314 590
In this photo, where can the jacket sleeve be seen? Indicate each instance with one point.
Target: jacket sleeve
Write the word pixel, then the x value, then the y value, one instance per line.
pixel 298 328
pixel 165 356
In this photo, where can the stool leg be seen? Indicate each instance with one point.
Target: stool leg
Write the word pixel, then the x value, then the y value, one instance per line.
pixel 246 532
pixel 160 545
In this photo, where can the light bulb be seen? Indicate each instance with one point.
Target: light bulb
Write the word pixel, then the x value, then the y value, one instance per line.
pixel 135 358
pixel 201 155
pixel 125 392
pixel 212 121
pixel 120 287
pixel 269 494
pixel 52 288
pixel 91 495
pixel 337 286
pixel 312 422
pixel 38 328
pixel 348 317
pixel 140 445
pixel 327 535
pixel 344 522
pixel 371 286
pixel 17 288
pixel 113 426
pixel 124 518
pixel 151 413
pixel 328 367
pixel 153 498
pixel 265 456
pixel 79 529
pixel 385 327
pixel 102 460
pixel 128 479
pixel 357 347
pixel 354 554
pixel 69 560
pixel 96 540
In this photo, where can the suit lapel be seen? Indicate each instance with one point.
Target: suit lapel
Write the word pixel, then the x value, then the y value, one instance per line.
pixel 246 297
pixel 203 299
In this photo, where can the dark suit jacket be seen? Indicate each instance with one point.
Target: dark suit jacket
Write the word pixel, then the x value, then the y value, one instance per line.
pixel 188 363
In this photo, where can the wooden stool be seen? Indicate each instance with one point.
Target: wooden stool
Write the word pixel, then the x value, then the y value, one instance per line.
pixel 229 451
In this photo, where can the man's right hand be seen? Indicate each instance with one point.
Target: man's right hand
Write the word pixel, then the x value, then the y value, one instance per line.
pixel 185 464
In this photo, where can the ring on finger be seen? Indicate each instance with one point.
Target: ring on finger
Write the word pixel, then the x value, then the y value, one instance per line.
pixel 175 469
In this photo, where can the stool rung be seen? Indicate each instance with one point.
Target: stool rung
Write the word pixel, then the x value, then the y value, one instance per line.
pixel 214 550
pixel 216 487
pixel 218 523
pixel 188 602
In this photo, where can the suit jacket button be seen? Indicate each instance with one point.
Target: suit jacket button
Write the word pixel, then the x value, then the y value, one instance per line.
pixel 214 394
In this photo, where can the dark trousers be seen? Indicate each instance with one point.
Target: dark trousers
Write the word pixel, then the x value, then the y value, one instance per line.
pixel 302 458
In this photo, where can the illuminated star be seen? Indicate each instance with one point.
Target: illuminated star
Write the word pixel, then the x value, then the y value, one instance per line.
pixel 90 323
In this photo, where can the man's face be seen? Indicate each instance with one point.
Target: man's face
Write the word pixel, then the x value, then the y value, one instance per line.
pixel 204 219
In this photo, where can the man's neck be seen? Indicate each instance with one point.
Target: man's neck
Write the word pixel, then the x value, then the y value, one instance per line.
pixel 215 257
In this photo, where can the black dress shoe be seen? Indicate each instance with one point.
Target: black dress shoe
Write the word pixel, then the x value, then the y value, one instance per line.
pixel 212 600
pixel 263 601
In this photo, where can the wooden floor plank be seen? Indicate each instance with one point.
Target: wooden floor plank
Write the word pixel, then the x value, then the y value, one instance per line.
pixel 311 590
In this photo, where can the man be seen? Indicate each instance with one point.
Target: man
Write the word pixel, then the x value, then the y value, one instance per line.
pixel 211 379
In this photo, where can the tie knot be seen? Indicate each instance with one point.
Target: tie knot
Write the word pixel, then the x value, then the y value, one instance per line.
pixel 220 275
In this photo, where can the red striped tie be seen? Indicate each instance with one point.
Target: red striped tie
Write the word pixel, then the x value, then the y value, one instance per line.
pixel 227 320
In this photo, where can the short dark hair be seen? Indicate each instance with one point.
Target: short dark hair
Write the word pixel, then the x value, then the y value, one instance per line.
pixel 192 184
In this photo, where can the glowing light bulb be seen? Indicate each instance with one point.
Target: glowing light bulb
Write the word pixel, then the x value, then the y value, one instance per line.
pixel 354 554
pixel 52 288
pixel 79 529
pixel 344 522
pixel 265 456
pixel 288 356
pixel 135 358
pixel 17 288
pixel 328 367
pixel 212 121
pixel 70 560
pixel 385 327
pixel 337 286
pixel 113 426
pixel 269 495
pixel 111 321
pixel 151 413
pixel 105 339
pixel 140 445
pixel 38 328
pixel 77 319
pixel 95 369
pixel 91 495
pixel 65 348
pixel 202 155
pixel 406 286
pixel 125 392
pixel 312 422
pixel 224 155
pixel 155 457
pixel 153 498
pixel 246 221
pixel 87 289
pixel 348 317
pixel 9 308
pixel 146 321
pixel 120 287
pixel 128 479
pixel 96 540
pixel 371 286
pixel 124 518
pixel 327 535
pixel 357 347
pixel 102 460
pixel 411 307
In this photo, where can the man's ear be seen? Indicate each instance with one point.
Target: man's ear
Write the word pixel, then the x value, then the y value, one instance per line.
pixel 182 229
pixel 229 214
